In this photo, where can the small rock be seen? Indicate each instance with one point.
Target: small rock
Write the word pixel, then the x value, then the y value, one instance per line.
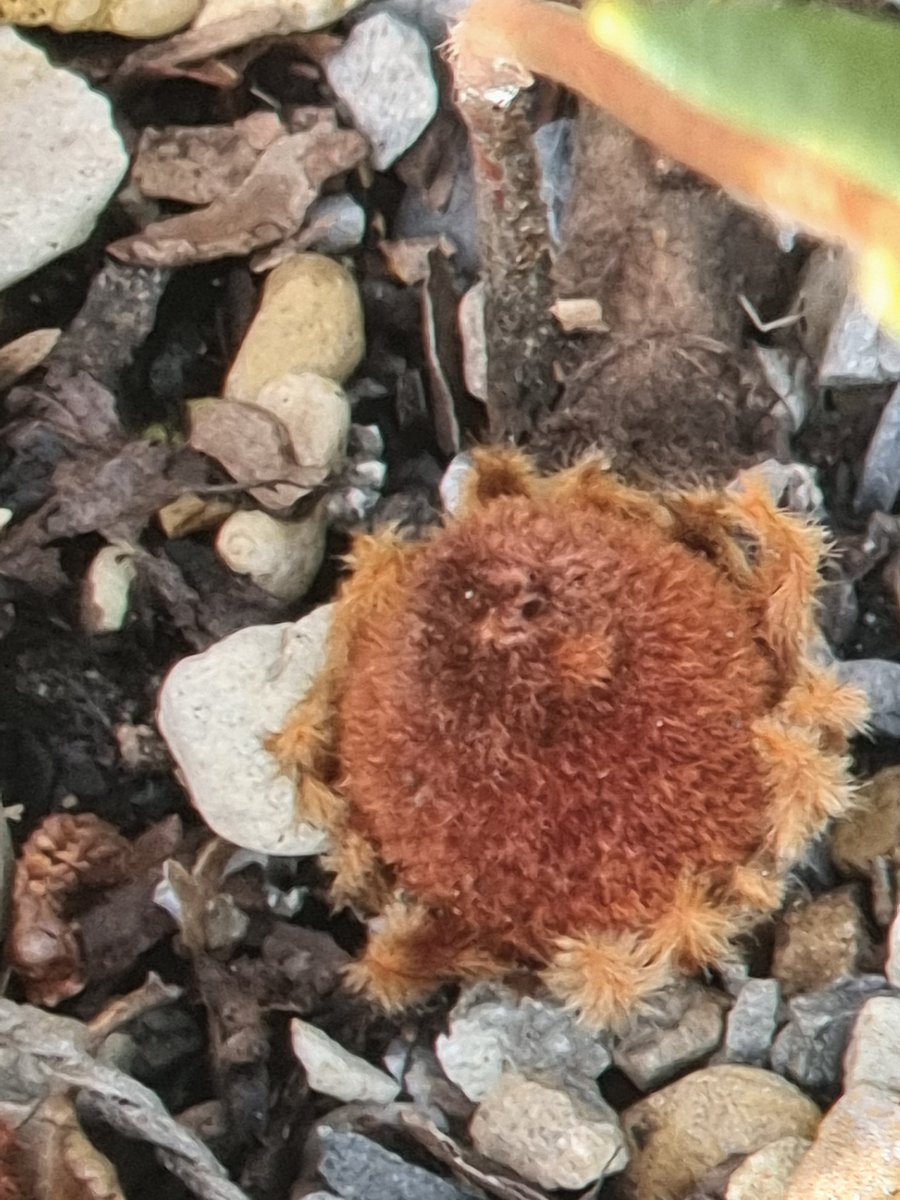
pixel 433 17
pixel 128 18
pixel 579 315
pixel 383 74
pixel 309 319
pixel 457 219
pixel 316 413
pixel 473 335
pixel 820 942
pixel 854 1155
pixel 53 128
pixel 752 1022
pixel 765 1174
pixel 105 590
pixel 297 16
pixel 359 1169
pixel 810 1047
pixel 880 680
pixel 453 481
pixel 431 1091
pixel 281 557
pixel 872 830
pixel 334 1071
pixel 873 1054
pixel 216 710
pixel 880 481
pixel 684 1026
pixel 548 1136
pixel 190 513
pixel 680 1133
pixel 339 224
pixel 492 1028
pixel 25 353
pixel 858 352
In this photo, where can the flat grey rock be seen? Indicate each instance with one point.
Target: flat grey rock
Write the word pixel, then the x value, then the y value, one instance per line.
pixel 61 159
pixel 383 74
pixel 880 680
pixel 359 1169
pixel 751 1023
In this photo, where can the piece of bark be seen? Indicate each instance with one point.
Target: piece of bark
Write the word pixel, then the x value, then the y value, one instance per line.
pixel 523 340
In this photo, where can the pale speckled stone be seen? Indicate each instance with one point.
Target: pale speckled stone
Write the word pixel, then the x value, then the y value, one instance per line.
pixel 383 74
pixel 493 1028
pixel 334 1071
pixel 128 18
pixel 765 1174
pixel 61 158
pixel 546 1135
pixel 691 1126
pixel 297 16
pixel 309 319
pixel 684 1025
pixel 873 1053
pixel 856 1153
pixel 215 711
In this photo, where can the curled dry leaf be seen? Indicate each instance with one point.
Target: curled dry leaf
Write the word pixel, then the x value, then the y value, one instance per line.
pixel 62 1163
pixel 70 854
pixel 41 1053
pixel 268 206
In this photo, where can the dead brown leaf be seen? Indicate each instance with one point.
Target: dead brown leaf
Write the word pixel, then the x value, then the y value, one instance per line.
pixel 67 856
pixel 198 164
pixel 185 54
pixel 253 446
pixel 268 206
pixel 62 1163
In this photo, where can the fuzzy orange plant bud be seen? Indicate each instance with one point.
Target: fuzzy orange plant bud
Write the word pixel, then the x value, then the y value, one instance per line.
pixel 576 731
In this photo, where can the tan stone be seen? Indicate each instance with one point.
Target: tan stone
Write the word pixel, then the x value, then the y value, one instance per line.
pixel 309 319
pixel 129 18
pixel 873 829
pixel 548 1135
pixel 855 1154
pixel 297 16
pixel 820 942
pixel 765 1174
pixel 685 1130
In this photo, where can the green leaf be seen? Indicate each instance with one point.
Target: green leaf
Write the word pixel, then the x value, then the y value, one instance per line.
pixel 822 79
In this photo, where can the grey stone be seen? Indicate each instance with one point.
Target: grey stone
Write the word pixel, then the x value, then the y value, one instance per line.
pixel 334 1071
pixel 752 1022
pixel 892 968
pixel 456 220
pixel 880 680
pixel 340 221
pixel 873 1054
pixel 547 1135
pixel 880 481
pixel 554 143
pixel 858 352
pixel 493 1028
pixel 810 1047
pixel 61 158
pixel 383 74
pixel 684 1026
pixel 454 479
pixel 359 1169
pixel 433 17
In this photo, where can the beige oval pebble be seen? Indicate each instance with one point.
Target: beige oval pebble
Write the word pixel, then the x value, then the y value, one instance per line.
pixel 297 16
pixel 680 1133
pixel 281 557
pixel 316 414
pixel 765 1174
pixel 215 711
pixel 855 1155
pixel 130 18
pixel 309 319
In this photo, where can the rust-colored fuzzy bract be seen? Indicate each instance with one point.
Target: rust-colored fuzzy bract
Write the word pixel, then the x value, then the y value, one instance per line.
pixel 525 735
pixel 576 730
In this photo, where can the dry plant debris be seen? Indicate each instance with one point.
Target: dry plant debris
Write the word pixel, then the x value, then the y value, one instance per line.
pixel 600 706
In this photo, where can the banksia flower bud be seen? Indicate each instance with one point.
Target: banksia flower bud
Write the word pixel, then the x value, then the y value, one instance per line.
pixel 575 731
